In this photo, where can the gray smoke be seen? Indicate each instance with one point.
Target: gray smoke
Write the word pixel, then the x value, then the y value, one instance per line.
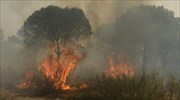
pixel 14 13
pixel 16 58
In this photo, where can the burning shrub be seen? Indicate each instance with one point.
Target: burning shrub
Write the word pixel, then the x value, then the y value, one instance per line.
pixel 119 69
pixel 54 70
pixel 57 70
pixel 27 83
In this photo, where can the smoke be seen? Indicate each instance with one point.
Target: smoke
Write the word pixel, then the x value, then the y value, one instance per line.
pixel 16 58
pixel 19 58
pixel 1 34
pixel 128 34
pixel 14 13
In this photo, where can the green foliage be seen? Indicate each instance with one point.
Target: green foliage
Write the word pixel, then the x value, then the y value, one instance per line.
pixel 55 25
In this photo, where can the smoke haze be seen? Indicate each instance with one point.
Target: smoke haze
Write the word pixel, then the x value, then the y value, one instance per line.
pixel 16 58
pixel 14 13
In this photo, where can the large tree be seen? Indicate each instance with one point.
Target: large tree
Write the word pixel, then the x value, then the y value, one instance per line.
pixel 55 25
pixel 148 31
pixel 149 28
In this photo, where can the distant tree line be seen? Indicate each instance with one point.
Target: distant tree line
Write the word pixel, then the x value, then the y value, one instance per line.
pixel 147 32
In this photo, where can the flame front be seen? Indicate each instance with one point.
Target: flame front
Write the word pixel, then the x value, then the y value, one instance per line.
pixel 120 68
pixel 27 83
pixel 57 69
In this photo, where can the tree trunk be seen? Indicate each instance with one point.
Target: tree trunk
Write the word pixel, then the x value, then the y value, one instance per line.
pixel 34 57
pixel 57 49
pixel 144 59
pixel 164 60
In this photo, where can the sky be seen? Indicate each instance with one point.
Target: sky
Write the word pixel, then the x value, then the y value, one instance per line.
pixel 14 13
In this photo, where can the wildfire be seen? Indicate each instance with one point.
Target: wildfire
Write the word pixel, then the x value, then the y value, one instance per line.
pixel 27 83
pixel 119 69
pixel 57 70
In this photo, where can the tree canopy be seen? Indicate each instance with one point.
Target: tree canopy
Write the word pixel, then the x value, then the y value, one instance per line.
pixel 56 25
pixel 154 29
pixel 145 23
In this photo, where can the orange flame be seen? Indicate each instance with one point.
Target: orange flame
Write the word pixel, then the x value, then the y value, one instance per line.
pixel 57 70
pixel 27 83
pixel 119 69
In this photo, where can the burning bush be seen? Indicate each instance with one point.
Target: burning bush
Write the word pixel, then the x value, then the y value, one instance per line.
pixel 54 69
pixel 57 70
pixel 119 69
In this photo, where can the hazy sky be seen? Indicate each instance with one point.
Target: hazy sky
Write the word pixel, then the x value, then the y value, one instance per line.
pixel 14 13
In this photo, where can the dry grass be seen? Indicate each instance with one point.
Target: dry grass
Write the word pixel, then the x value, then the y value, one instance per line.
pixel 147 87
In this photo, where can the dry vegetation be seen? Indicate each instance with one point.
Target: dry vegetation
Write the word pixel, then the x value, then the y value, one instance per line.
pixel 147 87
